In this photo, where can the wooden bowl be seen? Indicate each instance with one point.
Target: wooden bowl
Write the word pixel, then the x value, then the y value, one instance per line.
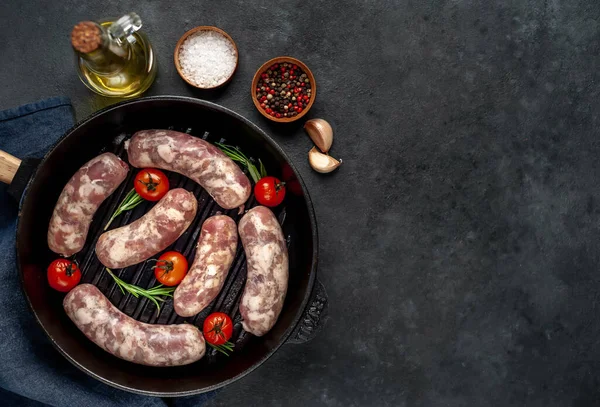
pixel 192 32
pixel 280 60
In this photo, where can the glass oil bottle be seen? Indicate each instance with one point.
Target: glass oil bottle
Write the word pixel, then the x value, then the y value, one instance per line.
pixel 114 59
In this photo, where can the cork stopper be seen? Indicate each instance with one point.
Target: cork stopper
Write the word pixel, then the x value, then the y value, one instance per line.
pixel 86 37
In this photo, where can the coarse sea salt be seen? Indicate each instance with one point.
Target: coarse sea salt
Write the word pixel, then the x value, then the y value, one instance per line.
pixel 207 58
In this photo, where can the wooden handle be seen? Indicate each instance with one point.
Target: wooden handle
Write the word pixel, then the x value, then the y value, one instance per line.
pixel 8 167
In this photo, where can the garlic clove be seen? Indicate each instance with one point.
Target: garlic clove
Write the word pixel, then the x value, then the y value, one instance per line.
pixel 320 132
pixel 322 162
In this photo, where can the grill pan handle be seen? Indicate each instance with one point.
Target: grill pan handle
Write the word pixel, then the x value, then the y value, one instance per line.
pixel 9 165
pixel 16 173
pixel 314 317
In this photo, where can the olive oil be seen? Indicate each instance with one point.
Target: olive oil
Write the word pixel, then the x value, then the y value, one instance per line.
pixel 114 59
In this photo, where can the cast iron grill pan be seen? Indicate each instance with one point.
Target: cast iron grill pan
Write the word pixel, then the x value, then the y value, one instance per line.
pixel 305 303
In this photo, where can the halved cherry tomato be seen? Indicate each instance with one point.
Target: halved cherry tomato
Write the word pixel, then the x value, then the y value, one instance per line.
pixel 151 184
pixel 63 275
pixel 269 191
pixel 171 268
pixel 217 328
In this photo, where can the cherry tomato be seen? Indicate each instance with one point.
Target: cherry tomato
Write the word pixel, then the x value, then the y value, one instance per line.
pixel 63 275
pixel 171 268
pixel 151 184
pixel 269 191
pixel 217 328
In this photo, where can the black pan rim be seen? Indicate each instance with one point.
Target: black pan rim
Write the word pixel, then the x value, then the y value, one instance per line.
pixel 311 215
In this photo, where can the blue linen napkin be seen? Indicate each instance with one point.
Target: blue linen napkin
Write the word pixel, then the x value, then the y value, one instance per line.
pixel 32 372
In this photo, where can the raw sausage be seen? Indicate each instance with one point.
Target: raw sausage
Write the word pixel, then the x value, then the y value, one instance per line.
pixel 150 234
pixel 128 339
pixel 194 158
pixel 214 254
pixel 79 201
pixel 153 232
pixel 267 260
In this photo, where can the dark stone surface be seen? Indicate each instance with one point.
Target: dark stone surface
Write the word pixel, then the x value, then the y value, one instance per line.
pixel 459 239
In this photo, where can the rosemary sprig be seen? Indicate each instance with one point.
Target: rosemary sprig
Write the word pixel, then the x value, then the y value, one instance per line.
pixel 236 155
pixel 263 170
pixel 225 348
pixel 131 201
pixel 154 294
